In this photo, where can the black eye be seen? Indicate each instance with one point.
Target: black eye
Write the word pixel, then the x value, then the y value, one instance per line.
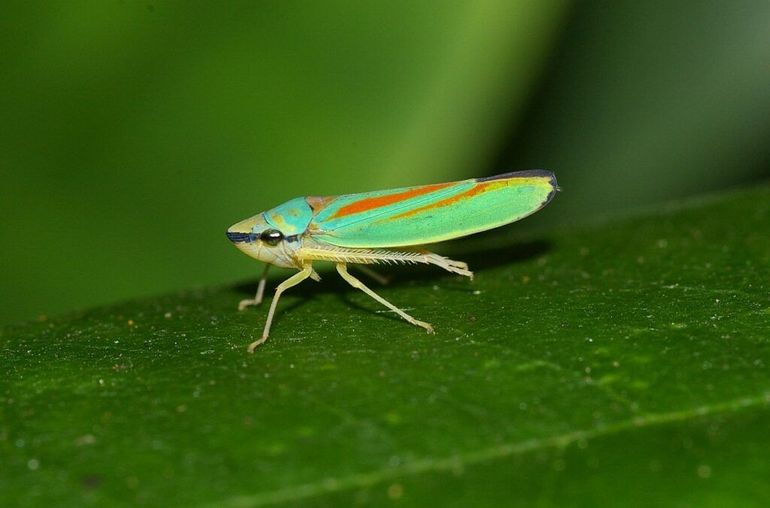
pixel 271 236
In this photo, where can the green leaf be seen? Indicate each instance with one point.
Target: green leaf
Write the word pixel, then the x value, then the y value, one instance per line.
pixel 619 363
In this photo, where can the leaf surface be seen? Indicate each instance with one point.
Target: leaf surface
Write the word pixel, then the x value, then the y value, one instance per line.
pixel 619 363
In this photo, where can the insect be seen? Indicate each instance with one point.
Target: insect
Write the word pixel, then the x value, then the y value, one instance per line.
pixel 365 228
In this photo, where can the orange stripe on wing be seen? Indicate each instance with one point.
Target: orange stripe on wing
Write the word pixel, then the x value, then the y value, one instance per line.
pixel 367 204
pixel 476 189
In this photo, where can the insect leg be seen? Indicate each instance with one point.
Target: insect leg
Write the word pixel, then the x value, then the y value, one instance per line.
pixel 447 264
pixel 368 256
pixel 295 279
pixel 372 274
pixel 260 291
pixel 343 271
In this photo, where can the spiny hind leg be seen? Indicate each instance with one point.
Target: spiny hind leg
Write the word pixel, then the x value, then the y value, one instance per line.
pixel 447 264
pixel 343 271
pixel 260 291
pixel 367 256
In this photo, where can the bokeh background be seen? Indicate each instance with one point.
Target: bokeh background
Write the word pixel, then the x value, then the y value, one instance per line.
pixel 133 133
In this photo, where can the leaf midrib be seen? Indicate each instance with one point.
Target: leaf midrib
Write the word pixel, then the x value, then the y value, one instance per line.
pixel 458 461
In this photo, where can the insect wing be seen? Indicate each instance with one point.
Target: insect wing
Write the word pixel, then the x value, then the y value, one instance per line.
pixel 431 213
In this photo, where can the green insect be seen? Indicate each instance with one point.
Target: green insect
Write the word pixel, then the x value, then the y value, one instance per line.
pixel 363 228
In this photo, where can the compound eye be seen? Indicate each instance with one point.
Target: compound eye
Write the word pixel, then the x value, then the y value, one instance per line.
pixel 271 237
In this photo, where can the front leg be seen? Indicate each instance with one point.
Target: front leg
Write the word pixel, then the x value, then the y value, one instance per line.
pixel 307 271
pixel 260 291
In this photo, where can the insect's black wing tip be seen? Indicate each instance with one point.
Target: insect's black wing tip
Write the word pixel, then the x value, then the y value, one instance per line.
pixel 528 173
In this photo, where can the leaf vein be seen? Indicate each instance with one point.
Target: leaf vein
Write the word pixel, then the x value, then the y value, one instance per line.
pixel 457 462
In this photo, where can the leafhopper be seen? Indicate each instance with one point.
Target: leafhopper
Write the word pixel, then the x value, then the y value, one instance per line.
pixel 370 227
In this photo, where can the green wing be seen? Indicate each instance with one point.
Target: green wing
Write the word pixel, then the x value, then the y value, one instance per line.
pixel 431 213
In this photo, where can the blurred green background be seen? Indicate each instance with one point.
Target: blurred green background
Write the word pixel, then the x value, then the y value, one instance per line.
pixel 134 132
